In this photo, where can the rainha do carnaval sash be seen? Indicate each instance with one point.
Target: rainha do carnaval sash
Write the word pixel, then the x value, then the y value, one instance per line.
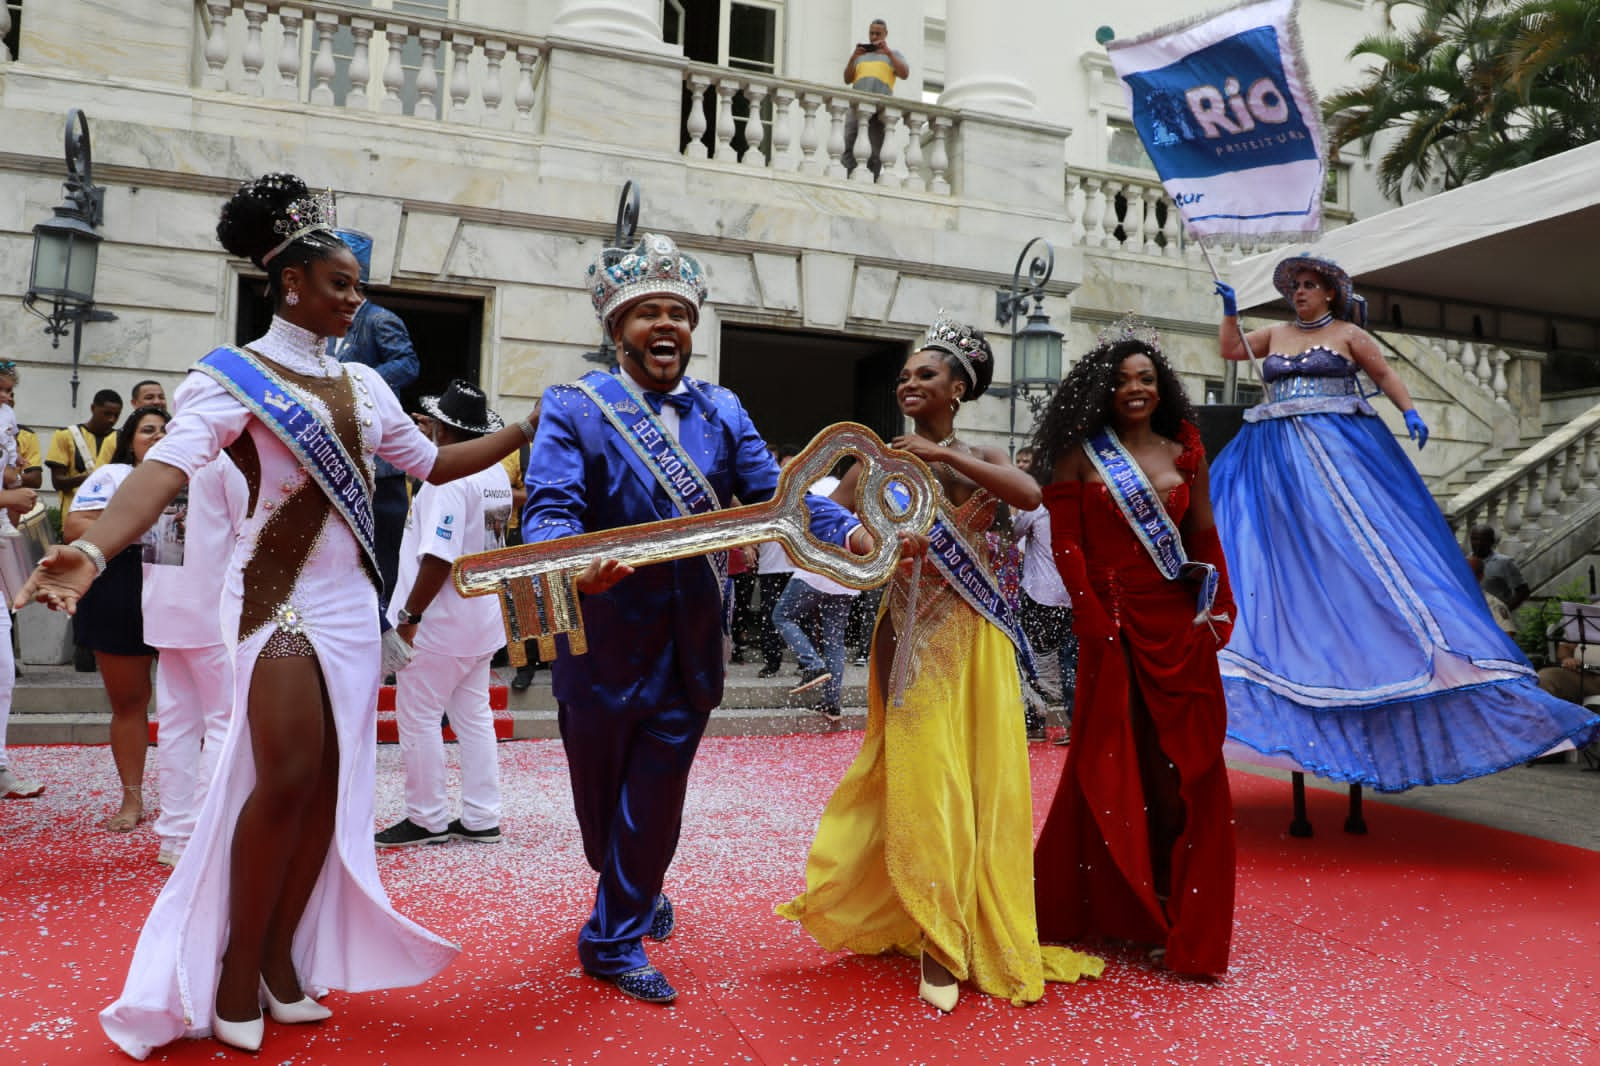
pixel 302 430
pixel 656 457
pixel 973 583
pixel 1136 498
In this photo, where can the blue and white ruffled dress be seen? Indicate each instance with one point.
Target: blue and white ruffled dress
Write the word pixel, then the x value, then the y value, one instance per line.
pixel 1364 650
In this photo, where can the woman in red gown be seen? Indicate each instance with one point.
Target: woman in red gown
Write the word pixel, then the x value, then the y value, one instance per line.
pixel 1138 845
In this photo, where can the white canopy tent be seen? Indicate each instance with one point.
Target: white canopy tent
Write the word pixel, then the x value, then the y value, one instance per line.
pixel 1513 260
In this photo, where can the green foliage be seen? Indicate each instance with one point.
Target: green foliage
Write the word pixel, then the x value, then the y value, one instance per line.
pixel 1537 616
pixel 55 519
pixel 1474 88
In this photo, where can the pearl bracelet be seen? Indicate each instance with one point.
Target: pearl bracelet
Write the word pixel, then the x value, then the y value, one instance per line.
pixel 90 549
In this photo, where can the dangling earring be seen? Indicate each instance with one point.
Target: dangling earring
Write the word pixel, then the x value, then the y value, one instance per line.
pixel 955 405
pixel 291 297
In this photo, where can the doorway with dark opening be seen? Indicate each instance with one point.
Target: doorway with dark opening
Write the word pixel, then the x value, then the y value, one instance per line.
pixel 794 383
pixel 446 331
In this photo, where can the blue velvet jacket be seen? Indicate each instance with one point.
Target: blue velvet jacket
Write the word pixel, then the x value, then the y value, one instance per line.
pixel 377 338
pixel 655 638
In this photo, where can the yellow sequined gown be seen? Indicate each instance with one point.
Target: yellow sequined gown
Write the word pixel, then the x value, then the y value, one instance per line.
pixel 928 840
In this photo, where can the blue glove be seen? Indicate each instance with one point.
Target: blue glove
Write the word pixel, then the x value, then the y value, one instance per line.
pixel 1417 428
pixel 1230 301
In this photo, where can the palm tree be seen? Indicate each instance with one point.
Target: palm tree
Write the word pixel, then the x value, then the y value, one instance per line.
pixel 1475 87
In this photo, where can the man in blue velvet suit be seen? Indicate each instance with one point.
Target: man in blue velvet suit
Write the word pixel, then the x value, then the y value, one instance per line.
pixel 638 444
pixel 377 338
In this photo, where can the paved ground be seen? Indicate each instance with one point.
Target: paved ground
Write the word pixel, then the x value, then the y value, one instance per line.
pixel 1558 802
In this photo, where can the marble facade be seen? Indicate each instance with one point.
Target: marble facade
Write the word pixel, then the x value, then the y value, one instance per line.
pixel 510 211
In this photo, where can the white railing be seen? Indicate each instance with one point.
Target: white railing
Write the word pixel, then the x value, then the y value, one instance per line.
pixel 763 122
pixel 1483 364
pixel 1133 213
pixel 1538 493
pixel 428 68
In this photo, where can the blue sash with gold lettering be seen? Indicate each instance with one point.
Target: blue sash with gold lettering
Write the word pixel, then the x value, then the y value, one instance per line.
pixel 301 429
pixel 656 457
pixel 1141 506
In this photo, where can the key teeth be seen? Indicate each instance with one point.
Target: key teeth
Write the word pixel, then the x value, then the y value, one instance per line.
pixel 533 608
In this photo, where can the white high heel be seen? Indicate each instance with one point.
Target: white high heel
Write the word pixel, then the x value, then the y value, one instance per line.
pixel 943 996
pixel 246 1036
pixel 303 1010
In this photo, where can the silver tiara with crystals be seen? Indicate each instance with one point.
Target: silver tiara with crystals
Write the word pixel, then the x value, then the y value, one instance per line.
pixel 309 214
pixel 1130 327
pixel 964 342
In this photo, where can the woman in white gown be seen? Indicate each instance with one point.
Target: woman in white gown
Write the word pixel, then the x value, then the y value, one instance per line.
pixel 278 891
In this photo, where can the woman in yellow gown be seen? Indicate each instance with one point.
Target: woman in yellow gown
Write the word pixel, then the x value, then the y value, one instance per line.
pixel 926 848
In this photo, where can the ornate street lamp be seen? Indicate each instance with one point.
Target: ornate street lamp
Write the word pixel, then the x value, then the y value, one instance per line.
pixel 66 251
pixel 1036 346
pixel 621 240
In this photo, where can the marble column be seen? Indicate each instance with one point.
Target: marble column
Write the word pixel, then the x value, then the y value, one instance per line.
pixel 632 24
pixel 983 54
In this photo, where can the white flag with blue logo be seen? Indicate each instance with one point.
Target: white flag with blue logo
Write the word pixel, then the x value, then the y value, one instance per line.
pixel 1227 116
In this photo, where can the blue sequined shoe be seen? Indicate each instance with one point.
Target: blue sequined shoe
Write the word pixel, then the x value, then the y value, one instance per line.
pixel 664 920
pixel 646 983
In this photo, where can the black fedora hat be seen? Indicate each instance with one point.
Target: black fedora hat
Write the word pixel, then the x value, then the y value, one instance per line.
pixel 463 406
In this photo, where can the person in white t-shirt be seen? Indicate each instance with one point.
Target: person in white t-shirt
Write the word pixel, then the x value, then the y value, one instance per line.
pixel 182 600
pixel 1046 613
pixel 14 495
pixel 450 671
pixel 822 662
pixel 773 570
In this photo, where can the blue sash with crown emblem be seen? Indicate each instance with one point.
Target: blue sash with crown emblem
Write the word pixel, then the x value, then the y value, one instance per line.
pixel 302 430
pixel 1139 503
pixel 656 457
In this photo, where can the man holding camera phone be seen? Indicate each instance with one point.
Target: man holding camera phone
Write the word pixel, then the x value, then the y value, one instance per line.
pixel 873 68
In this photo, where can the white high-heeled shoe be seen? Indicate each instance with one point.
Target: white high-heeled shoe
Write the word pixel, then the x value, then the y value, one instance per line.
pixel 305 1009
pixel 246 1036
pixel 943 996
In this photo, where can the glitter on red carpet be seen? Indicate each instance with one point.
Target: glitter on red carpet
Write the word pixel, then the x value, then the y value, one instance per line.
pixel 1427 941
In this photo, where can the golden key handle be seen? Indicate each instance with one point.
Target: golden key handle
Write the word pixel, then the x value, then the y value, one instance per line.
pixel 535 581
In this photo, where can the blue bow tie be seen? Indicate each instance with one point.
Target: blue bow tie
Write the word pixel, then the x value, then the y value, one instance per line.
pixel 682 402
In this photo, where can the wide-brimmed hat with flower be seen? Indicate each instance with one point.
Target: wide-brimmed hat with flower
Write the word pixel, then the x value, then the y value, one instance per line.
pixel 463 406
pixel 1346 304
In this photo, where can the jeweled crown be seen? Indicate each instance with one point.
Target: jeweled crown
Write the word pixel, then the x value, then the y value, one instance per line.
pixel 965 342
pixel 309 214
pixel 653 267
pixel 1130 327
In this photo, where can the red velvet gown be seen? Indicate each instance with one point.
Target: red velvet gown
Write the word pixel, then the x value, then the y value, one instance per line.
pixel 1103 866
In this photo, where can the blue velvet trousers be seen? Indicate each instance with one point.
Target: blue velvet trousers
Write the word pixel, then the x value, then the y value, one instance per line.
pixel 630 771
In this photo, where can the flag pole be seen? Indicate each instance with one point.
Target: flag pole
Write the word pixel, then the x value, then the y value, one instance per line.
pixel 1243 339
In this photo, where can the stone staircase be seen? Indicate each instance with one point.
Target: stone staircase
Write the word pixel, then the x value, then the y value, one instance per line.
pixel 1544 500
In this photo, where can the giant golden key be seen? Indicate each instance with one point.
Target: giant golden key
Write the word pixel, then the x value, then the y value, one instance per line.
pixel 536 583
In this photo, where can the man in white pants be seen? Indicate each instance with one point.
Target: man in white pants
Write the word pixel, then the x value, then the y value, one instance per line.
pixel 189 548
pixel 450 670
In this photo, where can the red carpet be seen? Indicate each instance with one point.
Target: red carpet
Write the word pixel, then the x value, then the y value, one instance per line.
pixel 1427 941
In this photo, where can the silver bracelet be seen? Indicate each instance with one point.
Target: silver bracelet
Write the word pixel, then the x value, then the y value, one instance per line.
pixel 528 429
pixel 92 550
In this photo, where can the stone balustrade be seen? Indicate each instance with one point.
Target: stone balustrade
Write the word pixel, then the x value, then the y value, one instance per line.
pixel 1133 213
pixel 1538 494
pixel 1483 364
pixel 434 69
pixel 763 122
